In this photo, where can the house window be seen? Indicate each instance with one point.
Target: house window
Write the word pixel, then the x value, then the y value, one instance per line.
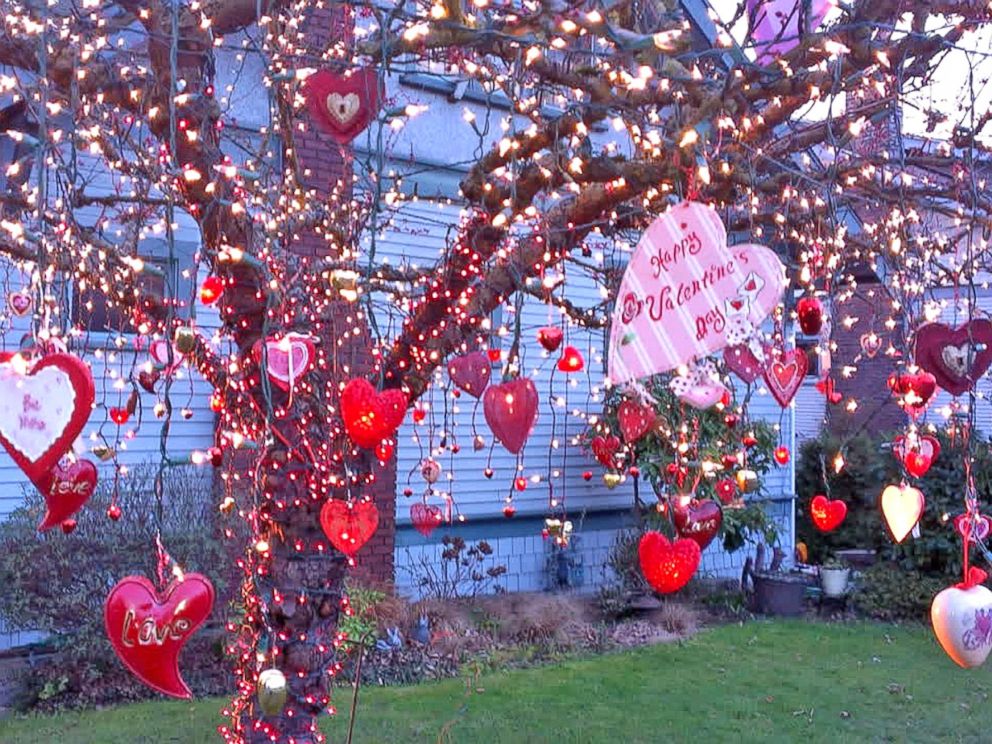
pixel 810 345
pixel 92 311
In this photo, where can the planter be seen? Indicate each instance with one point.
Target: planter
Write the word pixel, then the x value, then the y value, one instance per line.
pixel 779 594
pixel 833 581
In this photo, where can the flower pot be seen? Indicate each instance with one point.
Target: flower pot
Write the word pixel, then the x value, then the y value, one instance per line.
pixel 779 594
pixel 833 581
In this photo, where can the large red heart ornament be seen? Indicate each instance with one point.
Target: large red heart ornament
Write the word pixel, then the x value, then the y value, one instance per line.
pixel 698 520
pixel 43 410
pixel 148 629
pixel 956 357
pixel 370 416
pixel 511 411
pixel 666 565
pixel 343 105
pixel 425 518
pixel 916 459
pixel 826 514
pixel 66 488
pixel 785 374
pixel 635 420
pixel 349 525
pixel 286 359
pixel 471 372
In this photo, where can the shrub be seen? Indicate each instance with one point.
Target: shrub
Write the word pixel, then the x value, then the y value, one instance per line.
pixel 889 592
pixel 464 570
pixel 56 583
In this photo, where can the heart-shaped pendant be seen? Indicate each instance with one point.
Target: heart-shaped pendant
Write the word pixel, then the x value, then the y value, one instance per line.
pixel 471 372
pixel 511 412
pixel 425 518
pixel 343 104
pixel 635 420
pixel 902 507
pixel 349 525
pixel 785 375
pixel 20 302
pixel 975 533
pixel 286 359
pixel 826 514
pixel 697 520
pixel 962 621
pixel 667 566
pixel 956 357
pixel 918 458
pixel 604 449
pixel 66 488
pixel 550 337
pixel 370 416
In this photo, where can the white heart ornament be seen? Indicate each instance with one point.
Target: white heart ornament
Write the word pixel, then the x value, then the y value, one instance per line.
pixel 962 622
pixel 343 107
pixel 902 507
pixel 686 294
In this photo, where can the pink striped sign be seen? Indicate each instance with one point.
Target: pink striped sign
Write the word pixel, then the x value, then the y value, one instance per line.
pixel 686 294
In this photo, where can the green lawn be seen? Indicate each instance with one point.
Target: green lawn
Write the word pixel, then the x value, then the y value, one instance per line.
pixel 765 681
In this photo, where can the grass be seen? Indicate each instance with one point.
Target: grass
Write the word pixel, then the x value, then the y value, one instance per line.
pixel 764 681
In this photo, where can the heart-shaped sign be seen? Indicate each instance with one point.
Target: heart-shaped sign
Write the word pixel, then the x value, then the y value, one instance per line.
pixel 778 25
pixel 743 362
pixel 349 525
pixel 370 416
pixel 286 359
pixel 604 449
pixel 471 372
pixel 425 518
pixel 974 533
pixel 66 488
pixel 686 294
pixel 698 520
pixel 511 412
pixel 956 357
pixel 148 629
pixel 902 507
pixel 43 410
pixel 785 375
pixel 917 458
pixel 20 302
pixel 826 514
pixel 666 565
pixel 962 622
pixel 550 337
pixel 635 420
pixel 343 104
pixel 158 350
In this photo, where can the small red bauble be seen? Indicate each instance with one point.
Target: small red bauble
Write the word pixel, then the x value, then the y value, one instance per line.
pixel 730 420
pixel 587 475
pixel 384 451
pixel 216 402
pixel 408 492
pixel 725 489
pixel 782 455
pixel 634 471
pixel 114 512
pixel 571 360
pixel 488 472
pixel 550 337
pixel 520 484
pixel 211 290
pixel 509 511
pixel 494 355
pixel 119 415
pixel 749 440
pixel 216 456
pixel 68 525
pixel 810 313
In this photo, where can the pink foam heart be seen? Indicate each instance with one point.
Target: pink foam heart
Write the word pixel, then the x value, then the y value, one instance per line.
pixel 287 359
pixel 685 293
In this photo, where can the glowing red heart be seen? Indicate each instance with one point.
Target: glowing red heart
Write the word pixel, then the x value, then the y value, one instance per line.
pixel 148 629
pixel 635 420
pixel 698 520
pixel 370 416
pixel 343 105
pixel 902 507
pixel 511 412
pixel 976 532
pixel 550 337
pixel 66 489
pixel 604 449
pixel 470 372
pixel 914 390
pixel 810 314
pixel 43 410
pixel 494 355
pixel 916 459
pixel 349 525
pixel 827 514
pixel 119 416
pixel 286 359
pixel 743 363
pixel 956 357
pixel 785 375
pixel 826 386
pixel 571 360
pixel 425 518
pixel 666 565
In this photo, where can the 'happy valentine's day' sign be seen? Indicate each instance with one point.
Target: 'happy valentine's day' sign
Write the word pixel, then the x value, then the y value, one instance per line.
pixel 686 294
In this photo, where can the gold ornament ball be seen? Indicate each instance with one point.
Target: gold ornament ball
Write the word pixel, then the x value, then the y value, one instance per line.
pixel 747 481
pixel 185 339
pixel 612 480
pixel 272 691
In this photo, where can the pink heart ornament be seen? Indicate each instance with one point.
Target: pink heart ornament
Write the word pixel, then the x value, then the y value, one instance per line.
pixel 962 622
pixel 20 302
pixel 287 359
pixel 471 372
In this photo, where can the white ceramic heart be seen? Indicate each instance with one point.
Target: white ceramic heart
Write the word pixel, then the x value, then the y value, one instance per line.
pixel 902 507
pixel 343 107
pixel 962 622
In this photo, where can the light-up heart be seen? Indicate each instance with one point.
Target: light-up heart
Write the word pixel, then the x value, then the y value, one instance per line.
pixel 870 343
pixel 604 449
pixel 785 375
pixel 470 372
pixel 698 520
pixel 66 488
pixel 286 359
pixel 370 416
pixel 826 514
pixel 148 629
pixel 956 357
pixel 20 302
pixel 425 518
pixel 571 360
pixel 918 458
pixel 962 621
pixel 777 25
pixel 343 105
pixel 666 565
pixel 976 532
pixel 902 507
pixel 349 525
pixel 158 350
pixel 914 390
pixel 635 420
pixel 43 410
pixel 672 305
pixel 511 412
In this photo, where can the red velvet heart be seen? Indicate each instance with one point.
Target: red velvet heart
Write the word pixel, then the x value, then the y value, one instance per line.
pixel 976 533
pixel 604 448
pixel 349 525
pixel 426 518
pixel 370 416
pixel 916 460
pixel 343 105
pixel 286 359
pixel 743 363
pixel 951 356
pixel 511 412
pixel 470 372
pixel 148 629
pixel 698 520
pixel 667 566
pixel 550 337
pixel 66 489
pixel 827 514
pixel 914 390
pixel 635 420
pixel 785 375
pixel 43 411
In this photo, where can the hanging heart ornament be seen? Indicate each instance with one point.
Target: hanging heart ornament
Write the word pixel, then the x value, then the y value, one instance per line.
pixel 471 372
pixel 635 420
pixel 349 525
pixel 511 412
pixel 956 357
pixel 962 620
pixel 785 375
pixel 20 302
pixel 370 416
pixel 902 507
pixel 343 104
pixel 667 566
pixel 916 455
pixel 425 518
pixel 66 488
pixel 286 359
pixel 826 514
pixel 148 630
pixel 698 520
